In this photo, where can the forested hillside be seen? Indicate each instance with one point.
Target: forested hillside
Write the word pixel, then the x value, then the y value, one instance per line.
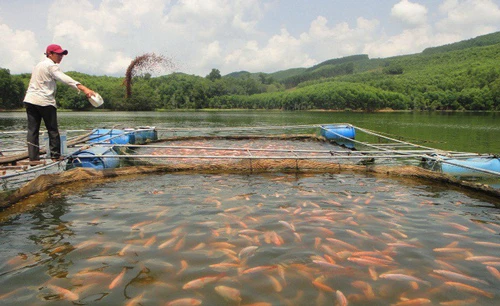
pixel 480 41
pixel 460 76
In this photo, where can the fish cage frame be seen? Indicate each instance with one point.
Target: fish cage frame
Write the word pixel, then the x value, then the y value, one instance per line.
pixel 252 163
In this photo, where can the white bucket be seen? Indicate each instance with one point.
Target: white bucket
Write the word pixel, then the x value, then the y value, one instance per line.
pixel 96 100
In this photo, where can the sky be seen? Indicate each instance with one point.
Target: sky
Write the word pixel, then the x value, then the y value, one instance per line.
pixel 104 36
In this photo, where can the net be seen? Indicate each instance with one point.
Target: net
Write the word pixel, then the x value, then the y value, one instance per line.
pixel 46 182
pixel 304 153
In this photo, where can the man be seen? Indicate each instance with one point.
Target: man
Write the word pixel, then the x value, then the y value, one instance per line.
pixel 40 101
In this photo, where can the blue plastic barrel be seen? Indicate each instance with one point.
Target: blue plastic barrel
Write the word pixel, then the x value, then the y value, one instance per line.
pixel 88 159
pixel 111 136
pixel 141 136
pixel 491 164
pixel 336 131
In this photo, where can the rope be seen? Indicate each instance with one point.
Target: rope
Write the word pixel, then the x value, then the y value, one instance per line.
pixel 32 170
pixel 269 150
pixel 437 159
pixel 24 132
pixel 37 168
pixel 400 141
pixel 252 156
pixel 269 127
pixel 381 151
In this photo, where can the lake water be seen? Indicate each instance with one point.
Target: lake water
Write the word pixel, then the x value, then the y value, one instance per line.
pixel 258 239
pixel 471 132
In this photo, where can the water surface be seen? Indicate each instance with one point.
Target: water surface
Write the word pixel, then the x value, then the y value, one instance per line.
pixel 275 239
pixel 476 132
pixel 281 239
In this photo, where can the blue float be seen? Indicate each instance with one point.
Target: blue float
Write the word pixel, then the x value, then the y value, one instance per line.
pixel 338 131
pixel 485 163
pixel 89 158
pixel 127 136
pixel 111 136
pixel 141 136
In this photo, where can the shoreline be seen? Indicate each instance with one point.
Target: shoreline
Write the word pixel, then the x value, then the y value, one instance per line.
pixel 263 110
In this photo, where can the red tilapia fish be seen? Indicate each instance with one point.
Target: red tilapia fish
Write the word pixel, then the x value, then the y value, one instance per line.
pixel 494 271
pixel 228 293
pixel 64 293
pixel 185 302
pixel 207 241
pixel 469 288
pixel 200 282
pixel 118 279
pixel 403 277
pixel 459 276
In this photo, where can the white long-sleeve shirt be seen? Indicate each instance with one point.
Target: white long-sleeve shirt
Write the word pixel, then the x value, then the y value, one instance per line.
pixel 42 88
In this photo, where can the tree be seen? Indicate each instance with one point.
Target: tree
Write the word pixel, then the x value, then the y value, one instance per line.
pixel 214 75
pixel 495 92
pixel 393 69
pixel 11 90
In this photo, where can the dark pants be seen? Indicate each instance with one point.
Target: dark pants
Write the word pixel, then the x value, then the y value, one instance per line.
pixel 49 115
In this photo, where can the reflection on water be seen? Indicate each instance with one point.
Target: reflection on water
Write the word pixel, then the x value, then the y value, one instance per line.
pixel 459 131
pixel 273 239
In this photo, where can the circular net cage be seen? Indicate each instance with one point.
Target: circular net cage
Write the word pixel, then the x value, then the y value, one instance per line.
pixel 246 151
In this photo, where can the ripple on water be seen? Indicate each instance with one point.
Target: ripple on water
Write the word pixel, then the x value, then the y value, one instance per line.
pixel 242 239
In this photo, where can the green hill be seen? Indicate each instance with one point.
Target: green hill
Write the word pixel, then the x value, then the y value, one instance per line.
pixel 239 74
pixel 339 61
pixel 283 74
pixel 460 76
pixel 480 41
pixel 277 76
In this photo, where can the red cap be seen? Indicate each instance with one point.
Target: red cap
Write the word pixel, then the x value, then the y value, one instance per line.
pixel 56 49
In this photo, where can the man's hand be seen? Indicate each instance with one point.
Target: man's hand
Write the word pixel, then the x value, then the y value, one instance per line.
pixel 88 92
